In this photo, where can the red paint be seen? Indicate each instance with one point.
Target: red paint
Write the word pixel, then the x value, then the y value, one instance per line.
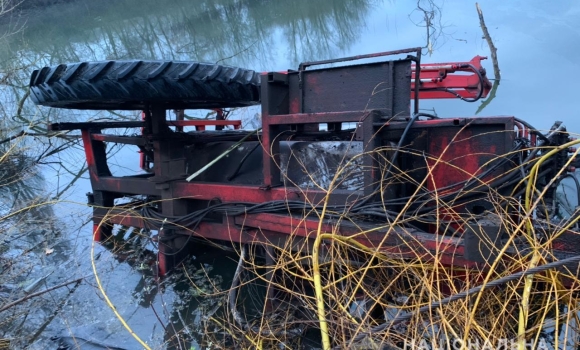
pixel 269 228
pixel 295 106
pixel 252 194
pixel 235 123
pixel 442 76
pixel 466 153
pixel 457 159
pixel 86 137
pixel 97 235
pixel 101 231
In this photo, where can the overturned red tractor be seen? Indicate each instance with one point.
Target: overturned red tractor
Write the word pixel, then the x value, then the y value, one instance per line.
pixel 339 152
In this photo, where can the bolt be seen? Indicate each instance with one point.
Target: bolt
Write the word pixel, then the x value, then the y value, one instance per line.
pixel 571 169
pixel 572 150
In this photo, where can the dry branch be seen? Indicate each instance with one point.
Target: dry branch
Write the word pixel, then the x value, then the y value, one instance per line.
pixel 33 295
pixel 13 137
pixel 492 47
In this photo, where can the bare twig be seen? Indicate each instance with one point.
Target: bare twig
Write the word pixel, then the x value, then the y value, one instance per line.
pixel 233 290
pixel 34 295
pixel 13 137
pixel 55 312
pixel 237 53
pixel 431 20
pixel 492 47
pixel 493 50
pixel 21 103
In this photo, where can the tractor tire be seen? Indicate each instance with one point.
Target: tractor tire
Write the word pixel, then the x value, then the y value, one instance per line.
pixel 138 85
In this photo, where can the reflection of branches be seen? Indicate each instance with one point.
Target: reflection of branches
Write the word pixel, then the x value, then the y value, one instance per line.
pixel 76 177
pixel 21 102
pixel 33 295
pixel 208 32
pixel 55 313
pixel 237 53
pixel 314 32
pixel 13 137
pixel 51 151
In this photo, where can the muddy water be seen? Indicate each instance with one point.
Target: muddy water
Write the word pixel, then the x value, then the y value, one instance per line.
pixel 536 50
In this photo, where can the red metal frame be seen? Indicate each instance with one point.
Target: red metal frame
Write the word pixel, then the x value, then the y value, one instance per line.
pixel 287 108
pixel 201 124
pixel 437 78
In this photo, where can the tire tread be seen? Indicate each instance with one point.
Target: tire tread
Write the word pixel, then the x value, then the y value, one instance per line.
pixel 136 84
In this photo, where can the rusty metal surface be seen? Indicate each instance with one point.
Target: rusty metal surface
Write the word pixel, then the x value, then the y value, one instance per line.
pixel 415 50
pixel 384 86
pixel 93 125
pixel 304 144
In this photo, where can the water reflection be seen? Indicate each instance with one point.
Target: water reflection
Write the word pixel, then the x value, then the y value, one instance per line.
pixel 197 287
pixel 257 34
pixel 240 32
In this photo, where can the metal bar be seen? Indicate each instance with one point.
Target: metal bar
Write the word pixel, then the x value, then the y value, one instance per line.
pixel 270 141
pixel 220 116
pixel 136 124
pixel 162 167
pixel 360 57
pixel 96 155
pixel 182 123
pixel 278 229
pixel 94 125
pixel 97 166
pixel 432 123
pixel 126 185
pixel 315 118
pixel 371 176
pixel 127 140
pixel 391 91
pixel 417 60
pixel 272 229
pixel 400 242
pixel 254 194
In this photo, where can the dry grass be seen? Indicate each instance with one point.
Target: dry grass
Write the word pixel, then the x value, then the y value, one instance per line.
pixel 340 291
pixel 345 289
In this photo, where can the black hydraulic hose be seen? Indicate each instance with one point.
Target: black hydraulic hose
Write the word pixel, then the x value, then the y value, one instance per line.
pixel 546 139
pixel 528 163
pixel 466 182
pixel 395 155
pixel 462 198
pixel 235 173
pixel 193 219
pixel 532 129
pixel 481 86
pixel 427 115
pixel 468 190
pixel 402 141
pixel 497 184
pixel 463 295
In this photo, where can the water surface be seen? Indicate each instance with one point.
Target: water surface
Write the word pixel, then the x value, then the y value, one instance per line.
pixel 537 57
